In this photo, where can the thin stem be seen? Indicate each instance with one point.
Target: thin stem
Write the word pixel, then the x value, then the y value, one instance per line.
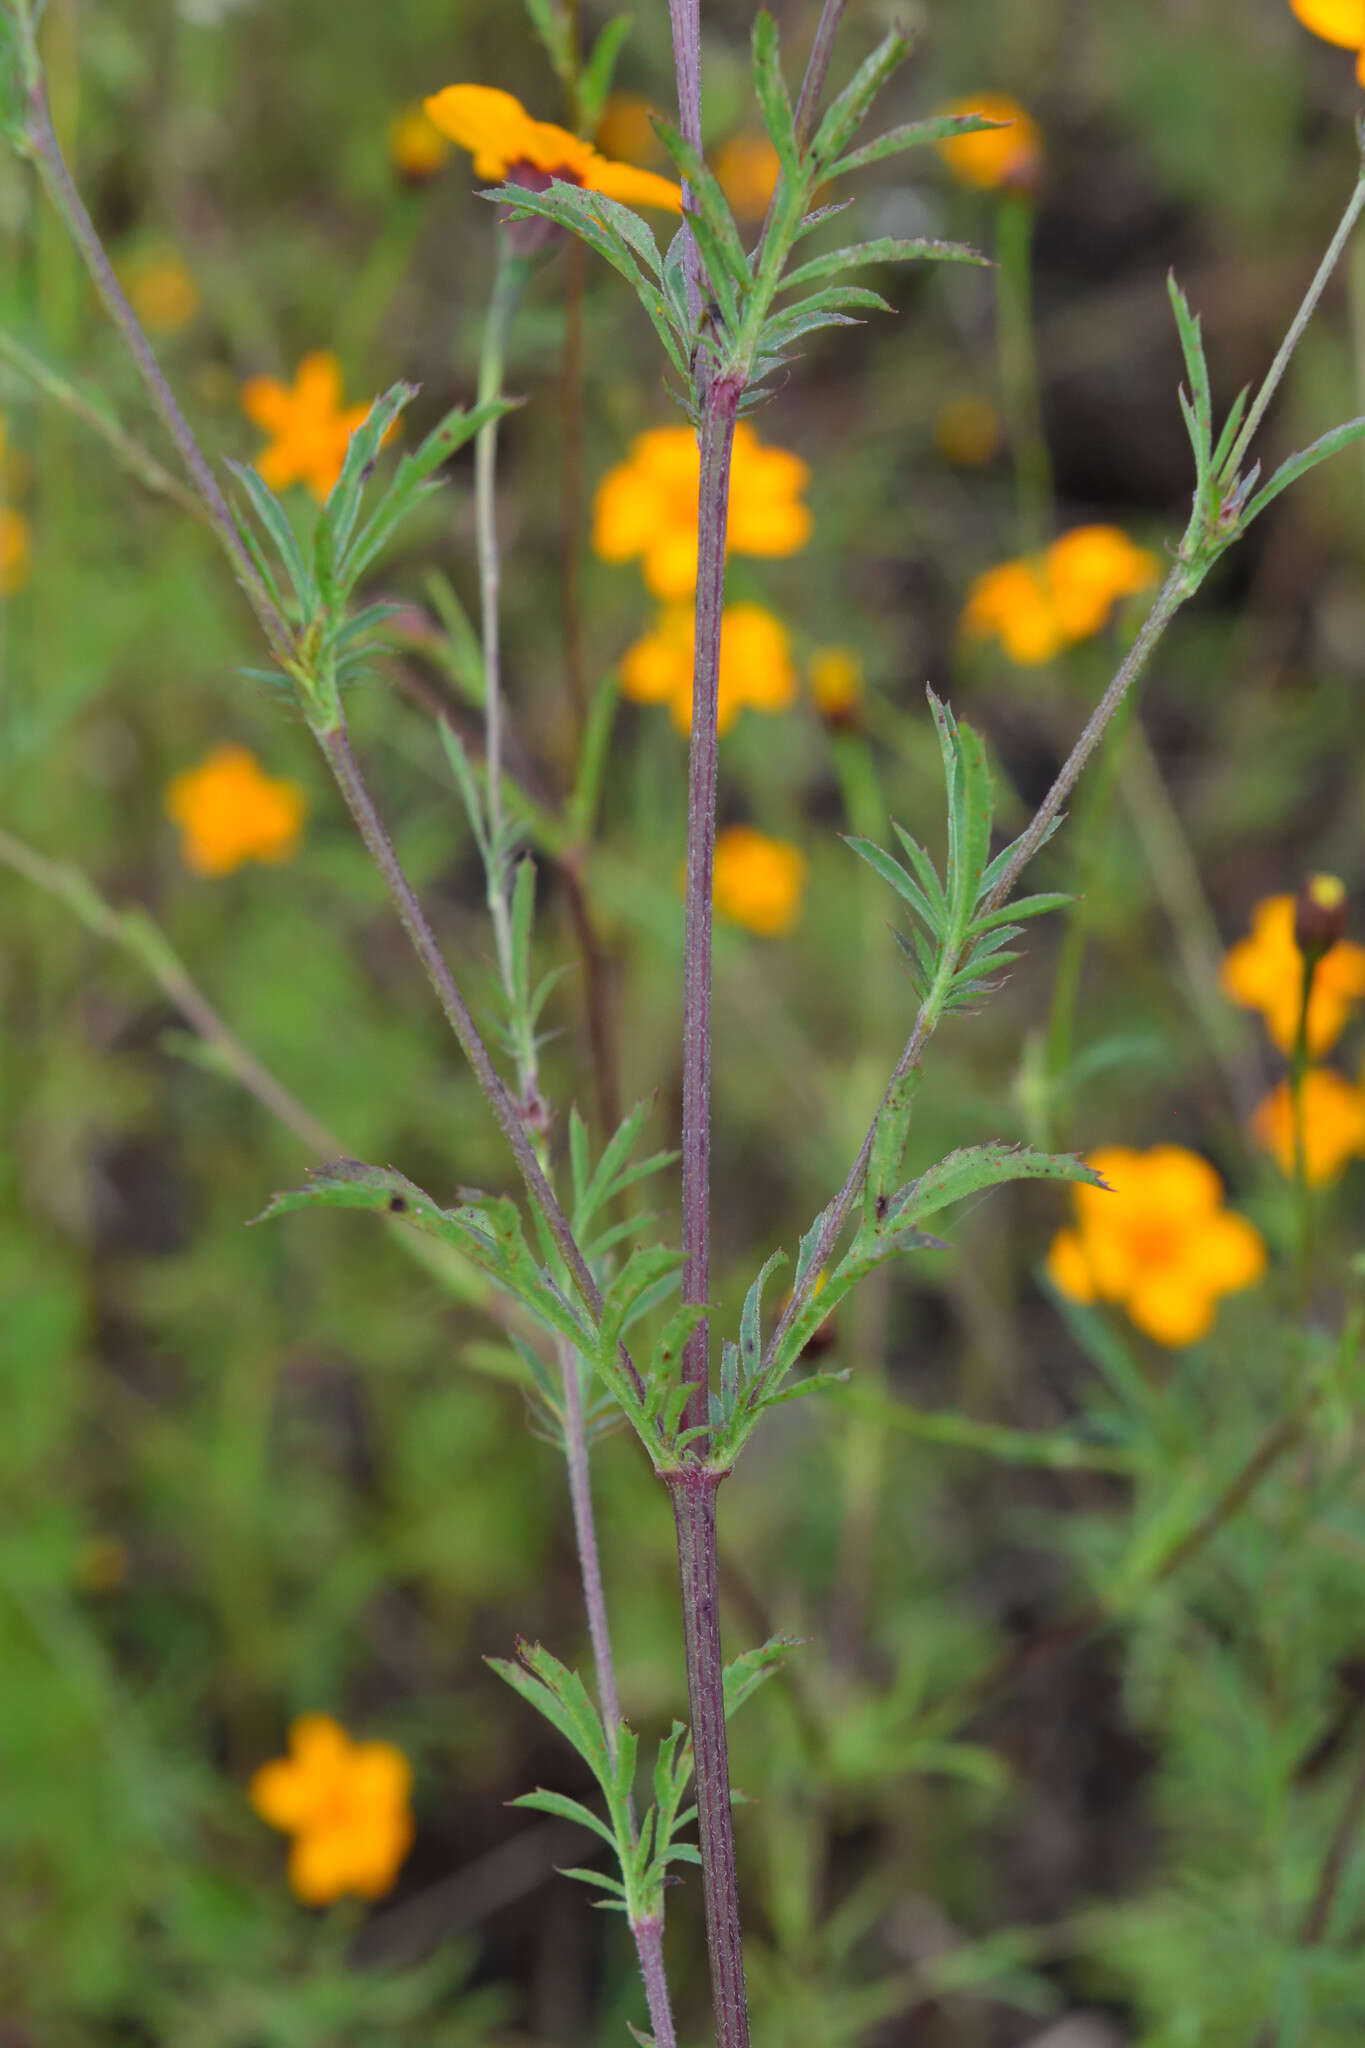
pixel 361 805
pixel 693 1494
pixel 685 20
pixel 56 177
pixel 717 438
pixel 1295 334
pixel 817 68
pixel 585 1532
pixel 649 1946
pixel 1169 600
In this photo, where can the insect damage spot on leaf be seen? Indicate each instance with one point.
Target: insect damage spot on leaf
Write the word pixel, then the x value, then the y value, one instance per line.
pixel 397 1205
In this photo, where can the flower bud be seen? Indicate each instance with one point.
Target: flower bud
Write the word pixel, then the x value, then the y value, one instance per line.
pixel 1320 915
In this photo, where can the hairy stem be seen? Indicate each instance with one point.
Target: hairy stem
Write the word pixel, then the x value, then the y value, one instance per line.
pixel 817 68
pixel 717 439
pixel 685 20
pixel 693 1494
pixel 585 1533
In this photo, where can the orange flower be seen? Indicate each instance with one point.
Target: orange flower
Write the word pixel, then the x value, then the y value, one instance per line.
pixel 626 130
pixel 418 150
pixel 1265 972
pixel 755 664
pixel 1037 607
pixel 312 429
pixel 1336 21
pixel 995 157
pixel 162 292
pixel 837 684
pixel 229 812
pixel 758 881
pixel 1161 1244
pixel 503 139
pixel 647 505
pixel 1333 1125
pixel 347 1806
pixel 747 168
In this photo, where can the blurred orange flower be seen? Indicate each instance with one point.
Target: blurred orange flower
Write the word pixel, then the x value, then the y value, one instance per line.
pixel 756 671
pixel 968 432
pixel 1265 972
pixel 747 168
pixel 1036 607
pixel 1161 1245
pixel 312 429
pixel 758 882
pixel 993 158
pixel 229 812
pixel 347 1805
pixel 502 138
pixel 418 150
pixel 647 505
pixel 162 293
pixel 1336 21
pixel 626 130
pixel 1333 1125
pixel 837 684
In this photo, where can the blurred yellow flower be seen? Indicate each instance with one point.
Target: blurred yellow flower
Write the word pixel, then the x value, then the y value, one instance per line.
pixel 758 882
pixel 1336 21
pixel 229 812
pixel 1161 1245
pixel 968 432
pixel 626 130
pixel 747 168
pixel 756 671
pixel 837 684
pixel 1333 1125
pixel 1037 607
pixel 504 140
pixel 1265 972
pixel 162 293
pixel 993 158
pixel 312 429
pixel 347 1805
pixel 418 150
pixel 647 505
pixel 15 551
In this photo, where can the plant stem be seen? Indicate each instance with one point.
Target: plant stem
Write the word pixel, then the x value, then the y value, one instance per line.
pixel 585 1532
pixel 649 1946
pixel 717 438
pixel 817 67
pixel 693 1493
pixel 57 180
pixel 1298 1077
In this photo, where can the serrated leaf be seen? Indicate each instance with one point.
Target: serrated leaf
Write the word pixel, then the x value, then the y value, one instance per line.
pixel 976 1167
pixel 771 89
pixel 846 114
pixel 913 135
pixel 882 249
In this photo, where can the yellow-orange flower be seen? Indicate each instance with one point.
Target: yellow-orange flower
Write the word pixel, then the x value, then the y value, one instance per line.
pixel 162 293
pixel 626 130
pixel 1009 156
pixel 418 150
pixel 1161 1245
pixel 756 671
pixel 747 168
pixel 1336 21
pixel 647 505
pixel 1036 607
pixel 968 432
pixel 1265 972
pixel 758 882
pixel 312 429
pixel 15 551
pixel 229 812
pixel 1333 1125
pixel 503 139
pixel 837 684
pixel 347 1805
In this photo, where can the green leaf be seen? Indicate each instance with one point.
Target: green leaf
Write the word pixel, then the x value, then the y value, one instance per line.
pixel 900 880
pixel 565 1809
pixel 1055 1449
pixel 275 520
pixel 470 795
pixel 976 1167
pixel 750 1320
pixel 342 508
pixel 1231 428
pixel 595 80
pixel 1197 370
pixel 773 97
pixel 882 249
pixel 914 135
pixel 710 200
pixel 752 1668
pixel 412 482
pixel 846 114
pixel 1023 906
pixel 1299 465
pixel 551 24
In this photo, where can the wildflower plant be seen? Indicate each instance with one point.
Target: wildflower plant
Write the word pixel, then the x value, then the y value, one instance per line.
pixel 606 1318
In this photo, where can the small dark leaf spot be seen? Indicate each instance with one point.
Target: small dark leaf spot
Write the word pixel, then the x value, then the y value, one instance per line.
pixel 397 1204
pixel 882 1206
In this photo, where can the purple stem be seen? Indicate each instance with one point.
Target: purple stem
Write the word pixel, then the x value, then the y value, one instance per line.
pixel 813 84
pixel 649 1946
pixel 685 18
pixel 693 1493
pixel 717 440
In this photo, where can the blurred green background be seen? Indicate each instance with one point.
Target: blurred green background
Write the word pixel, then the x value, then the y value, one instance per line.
pixel 249 1473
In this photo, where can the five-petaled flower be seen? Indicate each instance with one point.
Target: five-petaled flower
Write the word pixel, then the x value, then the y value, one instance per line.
pixel 1157 1241
pixel 347 1805
pixel 230 812
pixel 647 505
pixel 1336 21
pixel 312 429
pixel 1036 606
pixel 1265 972
pixel 1009 156
pixel 758 882
pixel 756 671
pixel 1333 1125
pixel 507 144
